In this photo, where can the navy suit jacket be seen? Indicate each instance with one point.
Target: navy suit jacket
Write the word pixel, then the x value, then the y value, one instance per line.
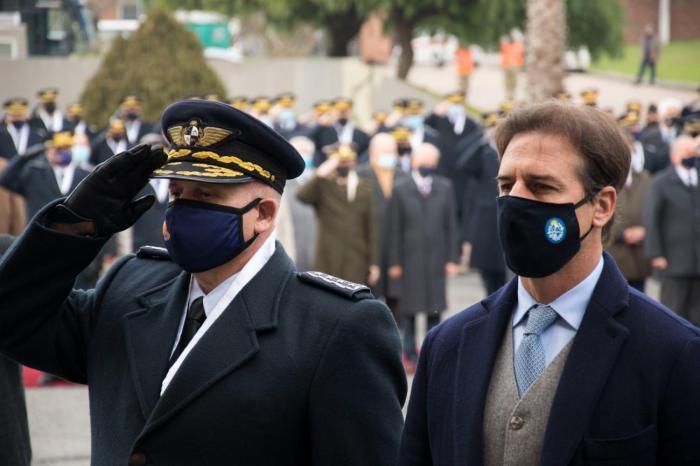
pixel 629 393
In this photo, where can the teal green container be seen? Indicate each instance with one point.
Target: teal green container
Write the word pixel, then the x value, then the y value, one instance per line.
pixel 211 35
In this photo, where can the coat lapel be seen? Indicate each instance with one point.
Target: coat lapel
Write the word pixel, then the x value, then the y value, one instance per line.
pixel 150 334
pixel 230 342
pixel 593 355
pixel 479 345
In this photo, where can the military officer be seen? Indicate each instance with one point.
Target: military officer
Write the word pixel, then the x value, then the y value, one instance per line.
pixel 214 351
pixel 16 133
pixel 47 117
pixel 130 112
pixel 286 122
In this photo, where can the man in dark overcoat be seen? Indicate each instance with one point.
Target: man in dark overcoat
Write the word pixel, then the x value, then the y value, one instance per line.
pixel 423 249
pixel 214 351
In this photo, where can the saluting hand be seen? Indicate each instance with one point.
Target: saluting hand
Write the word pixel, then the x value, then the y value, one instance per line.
pixel 105 198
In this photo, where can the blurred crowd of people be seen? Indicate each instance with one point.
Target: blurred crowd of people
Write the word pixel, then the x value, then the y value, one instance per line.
pixel 399 204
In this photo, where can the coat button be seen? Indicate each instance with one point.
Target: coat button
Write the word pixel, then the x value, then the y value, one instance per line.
pixel 137 459
pixel 516 422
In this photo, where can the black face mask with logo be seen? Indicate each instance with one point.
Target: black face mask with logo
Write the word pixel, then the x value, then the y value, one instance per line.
pixel 538 238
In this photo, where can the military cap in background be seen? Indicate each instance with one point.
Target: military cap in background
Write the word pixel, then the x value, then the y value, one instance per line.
pixel 16 106
pixel 629 118
pixel 414 107
pixel 399 105
pixel 60 140
pixel 212 97
pixel 589 97
pixel 322 106
pixel 130 102
pixel 240 102
pixel 74 110
pixel 116 126
pixel 634 106
pixel 490 119
pixel 344 152
pixel 216 143
pixel 401 134
pixel 261 104
pixel 506 107
pixel 342 104
pixel 380 116
pixel 47 94
pixel 457 97
pixel 285 100
pixel 564 96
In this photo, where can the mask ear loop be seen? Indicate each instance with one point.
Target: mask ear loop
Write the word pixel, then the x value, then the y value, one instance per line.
pixel 586 199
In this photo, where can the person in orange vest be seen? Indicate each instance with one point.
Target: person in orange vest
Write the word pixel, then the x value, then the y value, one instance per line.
pixel 465 67
pixel 512 60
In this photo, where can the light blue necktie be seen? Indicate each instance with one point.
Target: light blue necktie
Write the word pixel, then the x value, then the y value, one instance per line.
pixel 530 358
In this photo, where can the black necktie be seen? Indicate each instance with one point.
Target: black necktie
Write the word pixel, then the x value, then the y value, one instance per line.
pixel 194 320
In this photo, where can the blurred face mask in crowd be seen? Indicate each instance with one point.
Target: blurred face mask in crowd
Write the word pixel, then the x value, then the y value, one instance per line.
pixel 342 172
pixel 455 111
pixel 132 115
pixel 18 124
pixel 426 172
pixel 690 162
pixel 50 107
pixel 413 122
pixel 63 157
pixel 81 153
pixel 387 160
pixel 287 116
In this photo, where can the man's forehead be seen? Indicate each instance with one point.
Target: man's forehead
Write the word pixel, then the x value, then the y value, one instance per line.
pixel 544 154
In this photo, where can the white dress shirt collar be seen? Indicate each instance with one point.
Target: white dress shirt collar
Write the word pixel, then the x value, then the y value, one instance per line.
pixel 689 176
pixel 217 301
pixel 571 306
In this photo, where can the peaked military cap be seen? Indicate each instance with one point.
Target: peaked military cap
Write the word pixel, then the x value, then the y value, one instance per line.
pixel 216 143
pixel 240 102
pixel 342 104
pixel 589 97
pixel 130 102
pixel 322 106
pixel 414 106
pixel 691 124
pixel 457 97
pixel 344 152
pixel 285 100
pixel 48 94
pixel 74 109
pixel 16 106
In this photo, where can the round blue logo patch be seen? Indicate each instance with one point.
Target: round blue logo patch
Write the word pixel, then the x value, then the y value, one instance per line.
pixel 555 230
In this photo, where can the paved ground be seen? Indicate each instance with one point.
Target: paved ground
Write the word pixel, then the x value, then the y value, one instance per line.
pixel 487 91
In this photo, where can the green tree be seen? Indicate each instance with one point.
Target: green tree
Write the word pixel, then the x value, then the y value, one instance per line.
pixel 161 62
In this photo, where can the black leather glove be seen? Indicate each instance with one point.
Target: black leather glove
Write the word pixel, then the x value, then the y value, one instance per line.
pixel 106 196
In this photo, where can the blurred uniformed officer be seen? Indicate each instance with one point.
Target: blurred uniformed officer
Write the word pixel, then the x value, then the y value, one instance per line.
pixel 239 102
pixel 76 123
pixel 589 97
pixel 16 133
pixel 130 113
pixel 286 122
pixel 47 117
pixel 216 351
pixel 340 129
pixel 114 142
pixel 260 109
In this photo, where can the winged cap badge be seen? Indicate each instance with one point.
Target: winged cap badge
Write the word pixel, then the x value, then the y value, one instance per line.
pixel 195 134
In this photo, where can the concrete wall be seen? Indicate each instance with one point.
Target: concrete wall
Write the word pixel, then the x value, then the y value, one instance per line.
pixel 311 79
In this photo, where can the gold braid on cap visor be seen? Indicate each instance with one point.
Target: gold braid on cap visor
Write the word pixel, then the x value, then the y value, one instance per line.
pixel 208 155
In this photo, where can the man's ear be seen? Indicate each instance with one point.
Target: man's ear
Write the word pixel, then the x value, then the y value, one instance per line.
pixel 267 213
pixel 604 206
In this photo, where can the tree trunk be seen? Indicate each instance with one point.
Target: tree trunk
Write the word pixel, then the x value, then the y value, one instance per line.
pixel 546 44
pixel 404 35
pixel 341 29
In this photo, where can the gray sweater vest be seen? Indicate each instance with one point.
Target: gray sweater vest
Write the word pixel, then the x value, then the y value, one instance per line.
pixel 514 428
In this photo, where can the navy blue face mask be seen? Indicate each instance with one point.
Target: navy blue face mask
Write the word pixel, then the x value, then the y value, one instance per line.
pixel 201 236
pixel 538 238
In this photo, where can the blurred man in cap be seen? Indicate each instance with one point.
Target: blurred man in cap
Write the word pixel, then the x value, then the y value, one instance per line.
pixel 286 121
pixel 347 245
pixel 16 133
pixel 76 123
pixel 130 112
pixel 402 136
pixel 260 108
pixel 340 129
pixel 414 120
pixel 114 142
pixel 239 102
pixel 589 97
pixel 47 117
pixel 214 351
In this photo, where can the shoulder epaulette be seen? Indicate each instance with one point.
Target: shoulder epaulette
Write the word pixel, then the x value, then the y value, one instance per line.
pixel 153 252
pixel 334 284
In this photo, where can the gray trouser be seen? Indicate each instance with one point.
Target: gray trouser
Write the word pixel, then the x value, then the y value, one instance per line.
pixel 682 295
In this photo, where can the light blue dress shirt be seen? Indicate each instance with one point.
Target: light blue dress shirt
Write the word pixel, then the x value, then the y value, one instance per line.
pixel 570 307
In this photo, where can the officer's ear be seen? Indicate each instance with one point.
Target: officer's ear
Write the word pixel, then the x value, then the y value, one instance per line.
pixel 266 214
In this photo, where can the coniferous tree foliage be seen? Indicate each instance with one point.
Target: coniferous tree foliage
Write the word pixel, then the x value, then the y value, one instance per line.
pixel 161 62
